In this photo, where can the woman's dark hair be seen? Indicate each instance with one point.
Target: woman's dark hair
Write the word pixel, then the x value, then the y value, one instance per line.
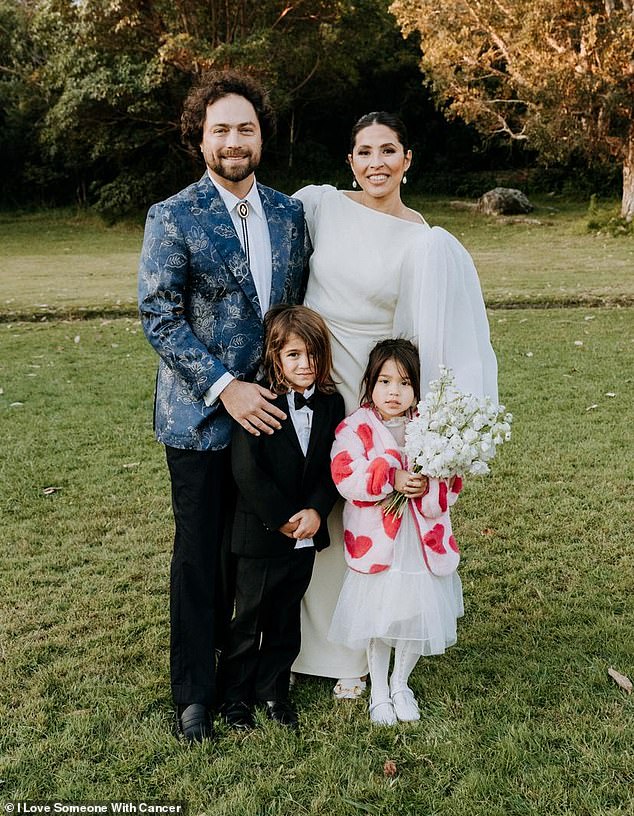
pixel 212 87
pixel 390 120
pixel 279 323
pixel 405 355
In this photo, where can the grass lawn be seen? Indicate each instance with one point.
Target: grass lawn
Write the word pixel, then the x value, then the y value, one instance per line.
pixel 69 264
pixel 519 718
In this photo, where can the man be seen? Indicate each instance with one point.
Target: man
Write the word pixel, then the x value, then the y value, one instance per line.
pixel 215 257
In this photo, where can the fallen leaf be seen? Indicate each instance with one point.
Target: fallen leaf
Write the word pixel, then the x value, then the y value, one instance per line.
pixel 77 338
pixel 578 342
pixel 529 353
pixel 589 317
pixel 16 405
pixel 592 407
pixel 488 531
pixel 48 491
pixel 132 464
pixel 389 768
pixel 610 393
pixel 621 680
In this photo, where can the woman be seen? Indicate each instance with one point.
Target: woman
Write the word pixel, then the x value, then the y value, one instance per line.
pixel 378 270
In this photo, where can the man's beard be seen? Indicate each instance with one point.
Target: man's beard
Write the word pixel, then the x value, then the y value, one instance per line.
pixel 237 173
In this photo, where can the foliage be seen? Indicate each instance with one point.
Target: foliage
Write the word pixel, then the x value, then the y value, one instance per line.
pixel 607 220
pixel 111 76
pixel 559 74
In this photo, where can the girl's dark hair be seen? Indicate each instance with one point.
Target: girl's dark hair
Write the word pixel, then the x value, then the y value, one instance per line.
pixel 212 87
pixel 405 355
pixel 279 323
pixel 390 120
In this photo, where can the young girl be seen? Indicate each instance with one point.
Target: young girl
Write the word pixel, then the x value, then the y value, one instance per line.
pixel 401 590
pixel 285 493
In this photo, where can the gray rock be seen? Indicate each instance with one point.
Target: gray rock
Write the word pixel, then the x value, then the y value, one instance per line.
pixel 504 201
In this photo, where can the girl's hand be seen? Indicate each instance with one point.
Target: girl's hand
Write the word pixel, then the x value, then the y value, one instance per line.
pixel 409 484
pixel 308 522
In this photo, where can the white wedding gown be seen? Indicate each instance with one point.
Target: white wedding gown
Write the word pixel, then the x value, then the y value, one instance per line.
pixel 374 276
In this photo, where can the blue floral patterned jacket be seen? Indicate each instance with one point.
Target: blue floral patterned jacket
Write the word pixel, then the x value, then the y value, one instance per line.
pixel 199 308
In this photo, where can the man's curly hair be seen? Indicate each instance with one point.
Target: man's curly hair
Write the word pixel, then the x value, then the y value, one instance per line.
pixel 213 86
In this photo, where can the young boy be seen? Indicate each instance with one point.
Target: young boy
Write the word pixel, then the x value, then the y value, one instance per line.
pixel 285 493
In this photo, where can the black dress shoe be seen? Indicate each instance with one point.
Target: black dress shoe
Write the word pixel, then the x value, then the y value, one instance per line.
pixel 193 723
pixel 282 712
pixel 238 715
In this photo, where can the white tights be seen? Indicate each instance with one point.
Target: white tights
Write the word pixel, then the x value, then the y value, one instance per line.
pixel 406 654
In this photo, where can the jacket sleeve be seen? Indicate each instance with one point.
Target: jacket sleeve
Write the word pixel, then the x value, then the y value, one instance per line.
pixel 439 496
pixel 254 482
pixel 359 474
pixel 163 285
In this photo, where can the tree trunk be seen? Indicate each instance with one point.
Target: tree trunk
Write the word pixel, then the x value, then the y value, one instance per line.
pixel 291 140
pixel 627 206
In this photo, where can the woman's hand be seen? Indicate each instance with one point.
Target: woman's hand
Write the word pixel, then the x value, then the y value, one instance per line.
pixel 409 484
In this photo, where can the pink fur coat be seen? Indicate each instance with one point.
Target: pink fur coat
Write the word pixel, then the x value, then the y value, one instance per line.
pixel 364 459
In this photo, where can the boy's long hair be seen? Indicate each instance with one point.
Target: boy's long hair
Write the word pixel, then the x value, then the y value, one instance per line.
pixel 405 355
pixel 279 323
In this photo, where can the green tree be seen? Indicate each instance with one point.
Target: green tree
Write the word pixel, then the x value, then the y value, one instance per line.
pixel 110 76
pixel 558 74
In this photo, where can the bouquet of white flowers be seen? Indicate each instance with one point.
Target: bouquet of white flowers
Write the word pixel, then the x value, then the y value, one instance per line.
pixel 452 434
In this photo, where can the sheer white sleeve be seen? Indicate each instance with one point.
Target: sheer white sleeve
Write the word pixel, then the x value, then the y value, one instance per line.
pixel 441 308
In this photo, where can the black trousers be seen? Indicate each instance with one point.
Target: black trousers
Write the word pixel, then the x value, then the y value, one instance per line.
pixel 265 633
pixel 202 571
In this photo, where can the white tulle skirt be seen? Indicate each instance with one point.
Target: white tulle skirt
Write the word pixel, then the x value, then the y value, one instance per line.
pixel 405 602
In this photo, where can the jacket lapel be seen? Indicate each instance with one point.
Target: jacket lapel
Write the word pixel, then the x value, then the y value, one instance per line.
pixel 318 428
pixel 209 210
pixel 277 220
pixel 288 429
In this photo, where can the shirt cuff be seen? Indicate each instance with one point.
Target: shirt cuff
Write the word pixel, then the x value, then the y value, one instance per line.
pixel 211 394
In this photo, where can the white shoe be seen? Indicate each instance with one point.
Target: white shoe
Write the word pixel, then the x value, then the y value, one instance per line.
pixel 382 713
pixel 349 688
pixel 405 705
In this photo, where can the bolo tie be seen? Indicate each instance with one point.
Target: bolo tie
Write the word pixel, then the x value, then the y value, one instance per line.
pixel 243 212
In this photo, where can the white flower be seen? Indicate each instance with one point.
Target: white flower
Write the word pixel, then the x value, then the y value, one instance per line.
pixel 455 433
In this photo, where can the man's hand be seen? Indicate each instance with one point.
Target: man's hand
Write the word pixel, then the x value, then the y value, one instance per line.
pixel 288 528
pixel 249 404
pixel 308 522
pixel 411 485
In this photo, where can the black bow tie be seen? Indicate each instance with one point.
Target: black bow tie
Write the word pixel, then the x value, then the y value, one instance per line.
pixel 301 401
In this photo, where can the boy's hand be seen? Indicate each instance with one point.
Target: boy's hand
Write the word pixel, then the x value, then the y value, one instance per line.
pixel 411 485
pixel 308 522
pixel 289 527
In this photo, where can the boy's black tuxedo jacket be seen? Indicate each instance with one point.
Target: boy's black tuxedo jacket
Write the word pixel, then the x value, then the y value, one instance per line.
pixel 275 480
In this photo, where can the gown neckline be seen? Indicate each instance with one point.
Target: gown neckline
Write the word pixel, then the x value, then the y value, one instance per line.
pixel 422 223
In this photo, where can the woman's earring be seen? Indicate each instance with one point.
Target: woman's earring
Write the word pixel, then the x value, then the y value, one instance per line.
pixel 354 183
pixel 404 179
